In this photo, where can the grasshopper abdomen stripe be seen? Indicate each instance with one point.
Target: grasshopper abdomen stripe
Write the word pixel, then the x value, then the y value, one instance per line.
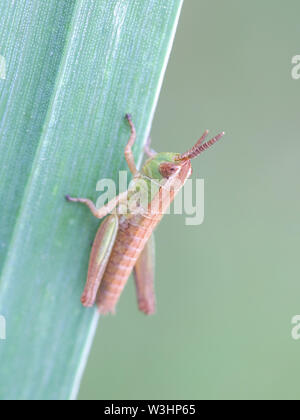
pixel 130 242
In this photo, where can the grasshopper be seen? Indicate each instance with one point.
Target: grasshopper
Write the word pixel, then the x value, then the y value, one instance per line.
pixel 124 241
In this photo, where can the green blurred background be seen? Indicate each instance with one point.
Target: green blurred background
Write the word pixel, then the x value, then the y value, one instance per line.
pixel 227 290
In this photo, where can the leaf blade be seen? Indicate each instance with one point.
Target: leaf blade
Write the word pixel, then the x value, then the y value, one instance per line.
pixel 109 49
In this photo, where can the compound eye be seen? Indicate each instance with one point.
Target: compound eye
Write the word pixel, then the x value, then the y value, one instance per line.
pixel 168 169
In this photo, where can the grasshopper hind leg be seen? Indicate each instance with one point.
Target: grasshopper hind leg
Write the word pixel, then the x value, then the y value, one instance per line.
pixel 101 252
pixel 144 273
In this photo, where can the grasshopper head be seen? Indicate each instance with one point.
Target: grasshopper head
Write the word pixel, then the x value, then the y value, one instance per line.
pixel 161 166
pixel 174 165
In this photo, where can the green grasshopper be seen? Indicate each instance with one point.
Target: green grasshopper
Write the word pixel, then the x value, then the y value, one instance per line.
pixel 124 241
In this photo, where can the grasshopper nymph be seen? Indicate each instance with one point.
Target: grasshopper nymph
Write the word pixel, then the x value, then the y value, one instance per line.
pixel 124 241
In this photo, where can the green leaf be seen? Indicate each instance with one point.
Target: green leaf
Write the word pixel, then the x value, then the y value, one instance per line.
pixel 73 69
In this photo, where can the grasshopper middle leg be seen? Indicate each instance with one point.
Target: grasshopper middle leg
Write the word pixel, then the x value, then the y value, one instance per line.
pixel 105 210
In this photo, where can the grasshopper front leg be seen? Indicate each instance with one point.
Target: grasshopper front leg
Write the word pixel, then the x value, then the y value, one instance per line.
pixel 128 149
pixel 148 150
